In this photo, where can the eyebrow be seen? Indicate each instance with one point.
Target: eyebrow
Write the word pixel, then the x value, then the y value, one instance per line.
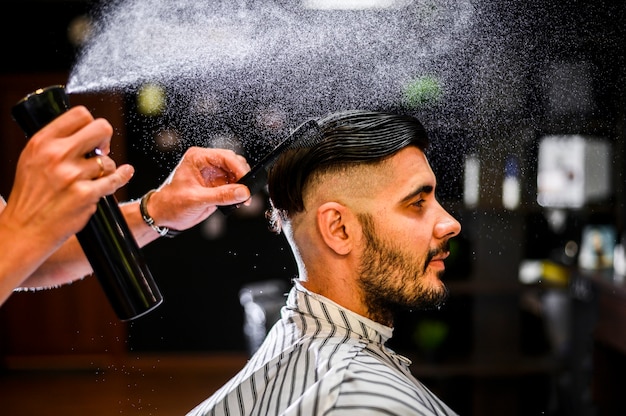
pixel 427 189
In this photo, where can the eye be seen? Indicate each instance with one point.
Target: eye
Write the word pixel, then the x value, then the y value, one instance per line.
pixel 419 203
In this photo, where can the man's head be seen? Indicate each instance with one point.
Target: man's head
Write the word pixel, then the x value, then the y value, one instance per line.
pixel 360 213
pixel 350 138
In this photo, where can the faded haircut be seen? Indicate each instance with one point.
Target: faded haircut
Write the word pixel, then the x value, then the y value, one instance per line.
pixel 347 138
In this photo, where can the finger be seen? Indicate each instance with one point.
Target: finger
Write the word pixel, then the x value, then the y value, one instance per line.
pixel 224 158
pixel 96 167
pixel 107 185
pixel 233 165
pixel 95 135
pixel 237 163
pixel 78 126
pixel 216 176
pixel 227 194
pixel 69 122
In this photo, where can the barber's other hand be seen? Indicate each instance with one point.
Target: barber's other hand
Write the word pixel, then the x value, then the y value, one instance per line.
pixel 203 179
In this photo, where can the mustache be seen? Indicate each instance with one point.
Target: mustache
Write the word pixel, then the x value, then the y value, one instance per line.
pixel 443 248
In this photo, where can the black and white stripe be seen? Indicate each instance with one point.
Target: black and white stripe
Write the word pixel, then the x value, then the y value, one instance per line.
pixel 322 359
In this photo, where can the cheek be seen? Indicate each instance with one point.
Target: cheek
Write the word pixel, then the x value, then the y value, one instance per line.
pixel 411 236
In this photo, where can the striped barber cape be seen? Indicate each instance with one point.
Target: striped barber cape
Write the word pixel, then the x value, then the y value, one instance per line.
pixel 322 359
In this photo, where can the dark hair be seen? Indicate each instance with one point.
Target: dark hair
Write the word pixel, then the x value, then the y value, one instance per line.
pixel 347 137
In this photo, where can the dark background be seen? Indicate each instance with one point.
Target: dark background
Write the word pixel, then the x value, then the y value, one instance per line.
pixel 496 354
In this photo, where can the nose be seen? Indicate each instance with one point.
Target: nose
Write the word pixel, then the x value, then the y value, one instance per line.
pixel 447 226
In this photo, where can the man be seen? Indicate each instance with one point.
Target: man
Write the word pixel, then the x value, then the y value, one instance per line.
pixel 369 237
pixel 56 190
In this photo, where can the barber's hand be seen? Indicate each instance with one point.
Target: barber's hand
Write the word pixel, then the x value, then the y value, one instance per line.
pixel 203 179
pixel 56 188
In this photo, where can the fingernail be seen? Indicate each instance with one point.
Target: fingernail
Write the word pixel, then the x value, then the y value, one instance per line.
pixel 129 170
pixel 241 193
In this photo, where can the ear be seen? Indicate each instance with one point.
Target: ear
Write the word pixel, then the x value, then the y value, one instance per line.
pixel 337 226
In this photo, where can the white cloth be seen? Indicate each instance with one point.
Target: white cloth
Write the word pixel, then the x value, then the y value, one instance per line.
pixel 322 359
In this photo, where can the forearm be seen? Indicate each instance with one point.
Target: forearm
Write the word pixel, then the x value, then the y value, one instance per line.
pixel 23 248
pixel 69 263
pixel 63 266
pixel 142 232
pixel 20 257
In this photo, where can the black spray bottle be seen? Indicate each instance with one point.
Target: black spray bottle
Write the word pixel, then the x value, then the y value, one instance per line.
pixel 106 240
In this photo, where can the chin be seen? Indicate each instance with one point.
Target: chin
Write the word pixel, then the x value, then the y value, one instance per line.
pixel 436 277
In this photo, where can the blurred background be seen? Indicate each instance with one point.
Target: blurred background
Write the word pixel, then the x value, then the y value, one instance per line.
pixel 531 162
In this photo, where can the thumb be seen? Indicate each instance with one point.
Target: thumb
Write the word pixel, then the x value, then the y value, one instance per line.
pixel 230 194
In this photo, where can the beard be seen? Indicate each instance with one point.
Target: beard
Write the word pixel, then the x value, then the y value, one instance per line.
pixel 393 280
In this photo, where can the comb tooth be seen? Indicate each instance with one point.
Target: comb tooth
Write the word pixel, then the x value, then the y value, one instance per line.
pixel 306 135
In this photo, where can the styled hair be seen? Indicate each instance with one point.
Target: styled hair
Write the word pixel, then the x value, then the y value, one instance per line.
pixel 347 138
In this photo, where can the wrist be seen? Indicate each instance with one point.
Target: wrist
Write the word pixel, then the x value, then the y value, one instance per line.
pixel 147 218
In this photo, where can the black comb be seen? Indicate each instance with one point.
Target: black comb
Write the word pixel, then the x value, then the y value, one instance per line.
pixel 306 135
